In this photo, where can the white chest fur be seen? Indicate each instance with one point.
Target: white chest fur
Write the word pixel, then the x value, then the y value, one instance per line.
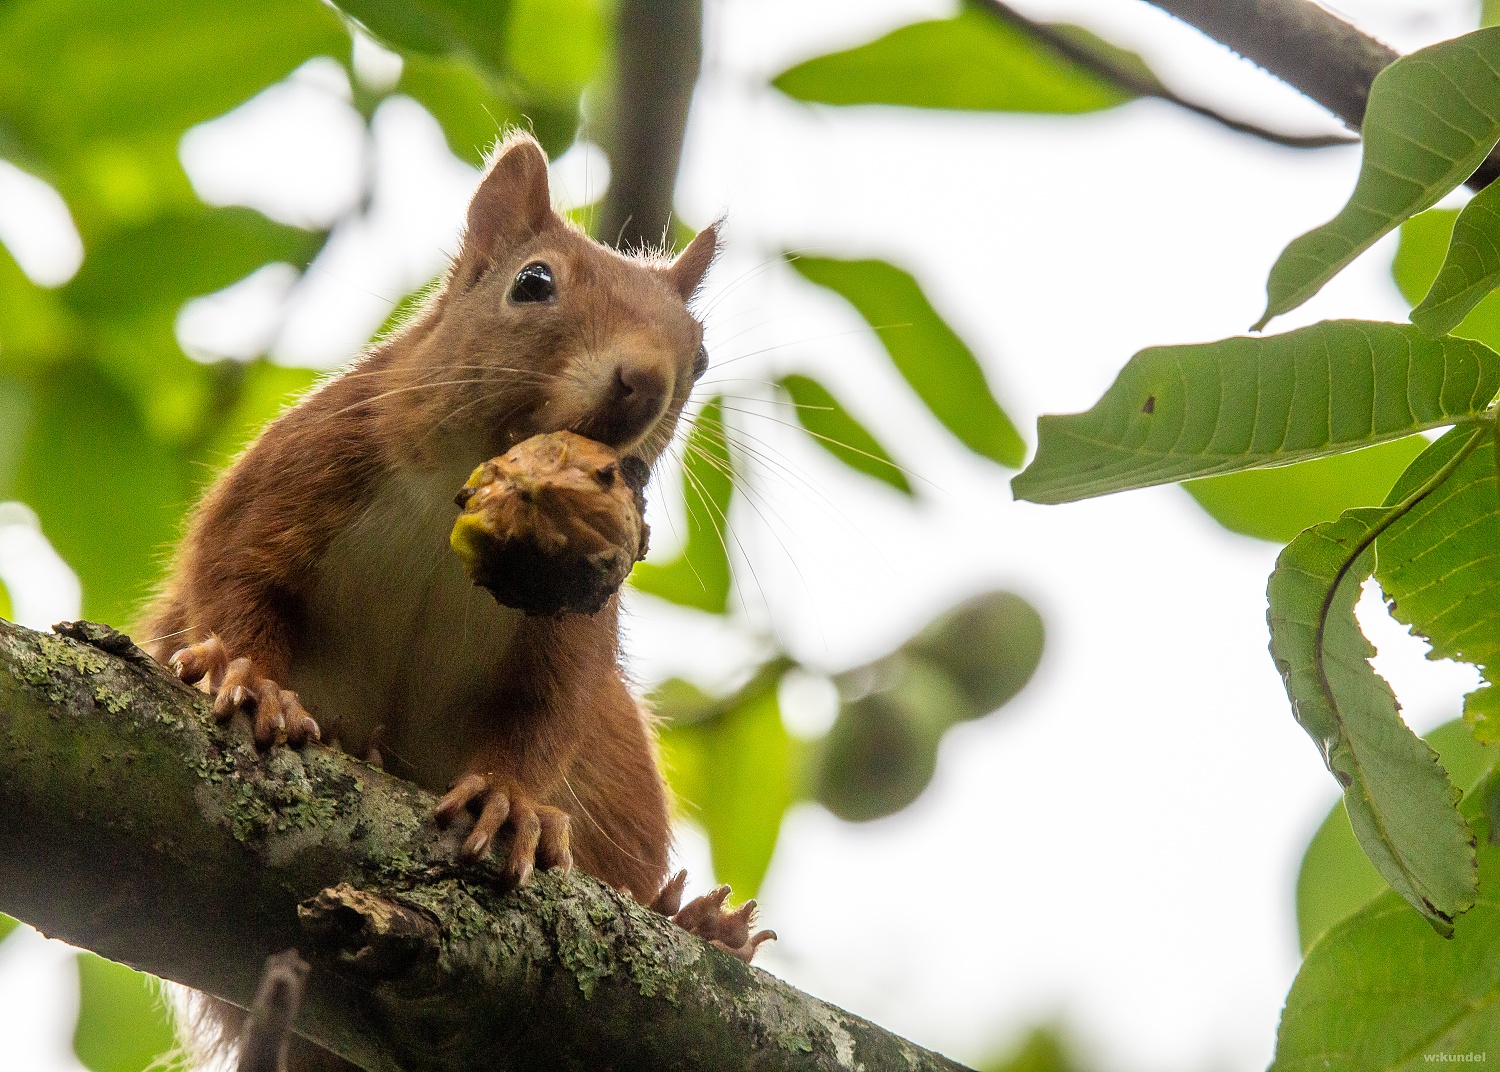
pixel 398 638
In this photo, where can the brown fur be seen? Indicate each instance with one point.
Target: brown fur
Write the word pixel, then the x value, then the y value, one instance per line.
pixel 320 556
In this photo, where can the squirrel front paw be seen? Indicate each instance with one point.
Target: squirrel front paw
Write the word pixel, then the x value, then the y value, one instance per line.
pixel 277 714
pixel 540 832
pixel 707 918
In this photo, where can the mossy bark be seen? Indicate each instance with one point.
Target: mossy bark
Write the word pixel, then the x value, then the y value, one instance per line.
pixel 136 827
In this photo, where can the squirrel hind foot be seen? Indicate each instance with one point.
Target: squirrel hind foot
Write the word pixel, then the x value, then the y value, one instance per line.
pixel 277 714
pixel 539 832
pixel 707 917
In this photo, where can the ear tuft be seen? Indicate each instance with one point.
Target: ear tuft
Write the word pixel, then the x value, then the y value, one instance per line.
pixel 686 273
pixel 513 202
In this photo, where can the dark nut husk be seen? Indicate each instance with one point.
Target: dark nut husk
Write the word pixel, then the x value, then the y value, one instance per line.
pixel 554 525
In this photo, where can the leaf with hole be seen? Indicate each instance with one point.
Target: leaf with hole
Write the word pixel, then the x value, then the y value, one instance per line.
pixel 1382 991
pixel 1439 564
pixel 1471 270
pixel 1276 504
pixel 1177 412
pixel 930 356
pixel 972 62
pixel 1336 878
pixel 699 576
pixel 1432 118
pixel 832 427
pixel 1399 800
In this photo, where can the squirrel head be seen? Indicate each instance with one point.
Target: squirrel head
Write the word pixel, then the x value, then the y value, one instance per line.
pixel 539 328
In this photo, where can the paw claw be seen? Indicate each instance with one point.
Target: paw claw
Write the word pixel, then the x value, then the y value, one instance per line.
pixel 728 928
pixel 278 714
pixel 539 833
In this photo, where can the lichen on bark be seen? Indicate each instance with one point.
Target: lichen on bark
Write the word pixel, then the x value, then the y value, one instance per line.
pixel 139 828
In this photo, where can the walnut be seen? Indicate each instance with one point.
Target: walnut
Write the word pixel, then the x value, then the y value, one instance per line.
pixel 554 525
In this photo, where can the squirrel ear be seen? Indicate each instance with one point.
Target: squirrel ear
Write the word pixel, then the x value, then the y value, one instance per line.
pixel 512 202
pixel 687 271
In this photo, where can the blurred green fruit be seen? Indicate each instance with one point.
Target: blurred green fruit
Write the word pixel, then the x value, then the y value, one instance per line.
pixel 990 644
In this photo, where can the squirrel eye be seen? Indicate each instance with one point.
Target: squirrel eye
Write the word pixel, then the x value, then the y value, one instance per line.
pixel 700 363
pixel 533 284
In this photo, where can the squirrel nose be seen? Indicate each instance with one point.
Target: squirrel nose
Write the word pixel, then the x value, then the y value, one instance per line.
pixel 638 396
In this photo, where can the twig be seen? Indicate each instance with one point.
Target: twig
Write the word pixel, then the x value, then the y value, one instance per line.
pixel 1307 47
pixel 1132 81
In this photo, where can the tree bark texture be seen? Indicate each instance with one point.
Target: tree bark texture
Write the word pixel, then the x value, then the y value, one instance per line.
pixel 1307 47
pixel 137 827
pixel 658 52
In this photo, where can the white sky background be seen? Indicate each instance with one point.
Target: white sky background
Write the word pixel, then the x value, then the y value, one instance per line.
pixel 1116 849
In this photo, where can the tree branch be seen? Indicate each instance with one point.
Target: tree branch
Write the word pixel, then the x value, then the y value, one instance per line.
pixel 138 828
pixel 658 51
pixel 1310 49
pixel 1142 83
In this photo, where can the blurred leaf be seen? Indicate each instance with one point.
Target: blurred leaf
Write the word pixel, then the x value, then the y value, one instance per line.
pixel 699 575
pixel 1042 1050
pixel 171 259
pixel 972 62
pixel 35 326
pixel 1276 504
pixel 990 644
pixel 7 924
pixel 1432 117
pixel 1471 270
pixel 733 770
pixel 1399 800
pixel 1336 877
pixel 109 494
pixel 1190 411
pixel 262 391
pixel 925 350
pixel 106 85
pixel 1382 991
pixel 1419 256
pixel 8 612
pixel 1439 565
pixel 1489 12
pixel 436 27
pixel 123 1022
pixel 833 428
pixel 471 111
pixel 557 46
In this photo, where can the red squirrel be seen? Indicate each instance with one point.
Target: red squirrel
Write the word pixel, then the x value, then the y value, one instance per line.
pixel 316 580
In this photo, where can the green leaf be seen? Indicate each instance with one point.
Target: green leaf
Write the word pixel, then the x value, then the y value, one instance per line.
pixel 1419 256
pixel 927 353
pixel 1439 565
pixel 834 428
pixel 1399 800
pixel 173 258
pixel 732 766
pixel 1336 877
pixel 1245 403
pixel 466 103
pixel 699 576
pixel 1382 991
pixel 109 494
pixel 1433 116
pixel 107 89
pixel 123 1022
pixel 557 46
pixel 436 27
pixel 1042 1050
pixel 1470 271
pixel 7 926
pixel 972 62
pixel 1276 504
